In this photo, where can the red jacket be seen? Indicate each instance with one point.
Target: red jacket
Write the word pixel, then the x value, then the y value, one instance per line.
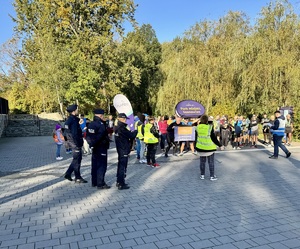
pixel 163 126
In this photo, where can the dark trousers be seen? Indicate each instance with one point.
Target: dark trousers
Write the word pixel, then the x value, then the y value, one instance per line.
pixel 211 164
pixel 122 168
pixel 99 166
pixel 75 164
pixel 224 137
pixel 163 138
pixel 151 151
pixel 278 144
pixel 171 143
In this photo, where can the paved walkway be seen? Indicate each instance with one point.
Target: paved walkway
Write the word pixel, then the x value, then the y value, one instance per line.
pixel 254 204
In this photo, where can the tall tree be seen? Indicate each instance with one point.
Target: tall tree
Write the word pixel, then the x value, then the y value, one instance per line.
pixel 67 45
pixel 143 49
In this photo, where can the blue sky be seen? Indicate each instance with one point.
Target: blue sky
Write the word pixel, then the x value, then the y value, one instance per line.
pixel 169 18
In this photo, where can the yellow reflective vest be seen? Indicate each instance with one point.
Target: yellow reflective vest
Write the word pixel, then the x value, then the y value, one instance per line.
pixel 149 138
pixel 204 141
pixel 140 134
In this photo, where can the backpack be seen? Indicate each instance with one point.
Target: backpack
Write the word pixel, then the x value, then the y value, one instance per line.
pixel 54 136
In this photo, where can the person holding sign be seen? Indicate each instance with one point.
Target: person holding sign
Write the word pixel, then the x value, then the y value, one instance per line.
pixel 190 143
pixel 171 136
pixel 206 145
pixel 123 138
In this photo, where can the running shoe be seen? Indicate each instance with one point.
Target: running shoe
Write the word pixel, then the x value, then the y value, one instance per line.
pixel 273 157
pixel 155 165
pixel 213 178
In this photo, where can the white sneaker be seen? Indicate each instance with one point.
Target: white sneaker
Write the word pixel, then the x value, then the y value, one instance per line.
pixel 180 154
pixel 195 153
pixel 59 158
pixel 202 177
pixel 238 148
pixel 234 148
pixel 141 161
pixel 214 178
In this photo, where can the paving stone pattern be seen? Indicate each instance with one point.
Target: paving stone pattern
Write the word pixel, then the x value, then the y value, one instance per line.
pixel 254 204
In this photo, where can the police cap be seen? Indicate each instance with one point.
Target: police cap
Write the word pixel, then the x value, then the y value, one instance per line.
pixel 72 108
pixel 98 111
pixel 122 115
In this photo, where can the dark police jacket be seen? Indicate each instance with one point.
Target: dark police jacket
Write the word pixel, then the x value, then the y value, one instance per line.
pixel 97 135
pixel 72 132
pixel 123 138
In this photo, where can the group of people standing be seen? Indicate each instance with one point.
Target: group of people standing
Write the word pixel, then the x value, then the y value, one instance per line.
pixel 97 134
pixel 241 131
pixel 149 133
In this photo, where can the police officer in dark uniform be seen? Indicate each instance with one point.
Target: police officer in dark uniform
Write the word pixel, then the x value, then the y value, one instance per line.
pixel 97 137
pixel 73 134
pixel 123 138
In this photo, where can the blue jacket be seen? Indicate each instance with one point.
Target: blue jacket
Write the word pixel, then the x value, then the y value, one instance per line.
pixel 278 129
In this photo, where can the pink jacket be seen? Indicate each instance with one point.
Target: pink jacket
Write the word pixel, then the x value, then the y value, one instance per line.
pixel 163 126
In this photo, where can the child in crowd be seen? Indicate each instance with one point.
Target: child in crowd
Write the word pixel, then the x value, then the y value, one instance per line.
pixel 59 140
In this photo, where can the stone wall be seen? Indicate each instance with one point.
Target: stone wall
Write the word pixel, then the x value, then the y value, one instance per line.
pixel 3 122
pixel 23 125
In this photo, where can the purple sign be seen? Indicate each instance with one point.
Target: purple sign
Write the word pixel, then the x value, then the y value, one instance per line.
pixel 184 133
pixel 287 110
pixel 189 109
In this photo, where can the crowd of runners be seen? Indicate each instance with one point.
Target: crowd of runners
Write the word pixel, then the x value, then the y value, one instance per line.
pixel 238 131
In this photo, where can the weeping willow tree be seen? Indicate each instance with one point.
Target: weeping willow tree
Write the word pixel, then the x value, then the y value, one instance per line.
pixel 205 64
pixel 231 66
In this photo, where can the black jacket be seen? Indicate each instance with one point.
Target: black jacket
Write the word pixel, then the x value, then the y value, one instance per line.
pixel 170 129
pixel 97 135
pixel 123 137
pixel 73 132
